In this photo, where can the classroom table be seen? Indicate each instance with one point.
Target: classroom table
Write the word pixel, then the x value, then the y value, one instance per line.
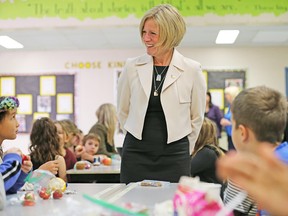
pixel 97 174
pixel 73 202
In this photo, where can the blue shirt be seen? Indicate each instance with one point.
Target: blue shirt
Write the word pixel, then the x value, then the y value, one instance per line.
pixel 282 152
pixel 228 128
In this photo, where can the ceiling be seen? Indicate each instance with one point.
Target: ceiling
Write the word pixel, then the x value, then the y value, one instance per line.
pixel 91 38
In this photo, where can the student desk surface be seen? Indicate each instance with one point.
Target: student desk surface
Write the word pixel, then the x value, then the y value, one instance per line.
pixel 75 204
pixel 97 174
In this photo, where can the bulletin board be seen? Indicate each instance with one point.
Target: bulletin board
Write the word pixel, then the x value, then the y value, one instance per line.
pixel 40 96
pixel 218 80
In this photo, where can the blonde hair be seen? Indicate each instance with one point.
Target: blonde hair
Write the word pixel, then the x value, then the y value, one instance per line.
pixel 171 25
pixel 232 90
pixel 207 137
pixel 65 130
pixel 106 115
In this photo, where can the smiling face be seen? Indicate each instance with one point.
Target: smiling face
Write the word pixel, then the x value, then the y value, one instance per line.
pixel 91 146
pixel 9 126
pixel 150 37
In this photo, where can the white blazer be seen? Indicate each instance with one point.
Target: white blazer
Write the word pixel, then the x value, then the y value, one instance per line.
pixel 183 97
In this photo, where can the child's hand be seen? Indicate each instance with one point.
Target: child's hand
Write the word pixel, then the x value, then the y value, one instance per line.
pixel 13 150
pixel 79 150
pixel 52 166
pixel 26 164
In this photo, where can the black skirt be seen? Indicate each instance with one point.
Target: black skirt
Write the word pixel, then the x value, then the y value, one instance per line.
pixel 152 158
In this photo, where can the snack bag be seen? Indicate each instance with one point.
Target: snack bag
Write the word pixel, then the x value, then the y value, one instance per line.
pixel 195 198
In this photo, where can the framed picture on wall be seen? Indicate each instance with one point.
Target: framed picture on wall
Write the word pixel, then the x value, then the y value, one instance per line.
pixel 7 86
pixel 234 82
pixel 26 102
pixel 43 103
pixel 47 85
pixel 217 96
pixel 65 103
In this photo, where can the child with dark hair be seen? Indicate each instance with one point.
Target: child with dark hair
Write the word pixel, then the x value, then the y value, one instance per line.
pixel 12 169
pixel 45 148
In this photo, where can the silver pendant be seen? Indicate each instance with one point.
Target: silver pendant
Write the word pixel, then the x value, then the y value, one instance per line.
pixel 158 78
pixel 155 93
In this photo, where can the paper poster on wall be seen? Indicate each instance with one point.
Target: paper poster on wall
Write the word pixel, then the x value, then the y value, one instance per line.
pixel 234 82
pixel 26 102
pixel 48 85
pixel 217 96
pixel 43 103
pixel 39 115
pixel 22 122
pixel 7 86
pixel 65 103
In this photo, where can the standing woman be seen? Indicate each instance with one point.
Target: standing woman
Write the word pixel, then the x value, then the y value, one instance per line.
pixel 105 128
pixel 161 102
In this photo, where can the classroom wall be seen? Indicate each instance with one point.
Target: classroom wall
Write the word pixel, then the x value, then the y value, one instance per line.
pixel 95 81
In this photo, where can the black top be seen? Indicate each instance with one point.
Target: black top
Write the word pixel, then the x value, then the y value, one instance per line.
pixel 203 165
pixel 152 158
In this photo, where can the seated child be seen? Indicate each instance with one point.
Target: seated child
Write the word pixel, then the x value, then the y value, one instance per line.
pixel 69 156
pixel 45 148
pixel 91 144
pixel 12 169
pixel 258 119
pixel 206 153
pixel 75 136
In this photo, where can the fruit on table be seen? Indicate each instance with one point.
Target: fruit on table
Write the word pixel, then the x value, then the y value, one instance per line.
pixel 57 194
pixel 107 161
pixel 24 158
pixel 57 183
pixel 29 199
pixel 44 193
pixel 80 165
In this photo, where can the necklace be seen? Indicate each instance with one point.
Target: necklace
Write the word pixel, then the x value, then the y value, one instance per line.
pixel 158 78
pixel 156 89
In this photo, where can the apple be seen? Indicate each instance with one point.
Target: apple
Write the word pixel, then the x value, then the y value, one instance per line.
pixel 28 203
pixel 29 199
pixel 107 161
pixel 44 193
pixel 24 158
pixel 29 196
pixel 57 194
